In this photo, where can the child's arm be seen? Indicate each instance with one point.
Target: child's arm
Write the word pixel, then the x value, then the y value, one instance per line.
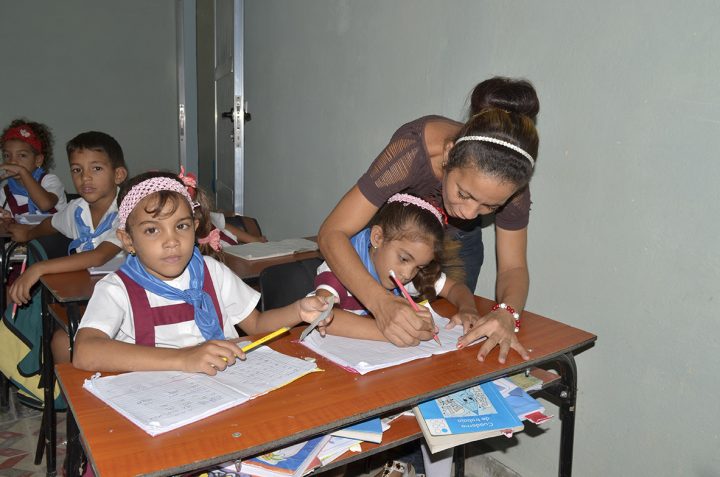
pixel 348 324
pixel 20 289
pixel 305 309
pixel 460 295
pixel 26 233
pixel 96 351
pixel 44 199
pixel 243 236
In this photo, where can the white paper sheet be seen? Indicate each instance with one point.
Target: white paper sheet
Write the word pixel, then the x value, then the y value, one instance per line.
pixel 258 250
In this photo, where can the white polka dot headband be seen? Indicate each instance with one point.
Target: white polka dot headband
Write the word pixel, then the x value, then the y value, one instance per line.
pixel 139 191
pixel 499 142
pixel 417 201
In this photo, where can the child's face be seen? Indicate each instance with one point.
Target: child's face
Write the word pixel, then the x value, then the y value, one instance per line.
pixel 405 257
pixel 164 244
pixel 94 177
pixel 19 153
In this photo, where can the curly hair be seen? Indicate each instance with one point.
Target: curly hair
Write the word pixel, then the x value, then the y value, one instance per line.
pixel 43 133
pixel 201 212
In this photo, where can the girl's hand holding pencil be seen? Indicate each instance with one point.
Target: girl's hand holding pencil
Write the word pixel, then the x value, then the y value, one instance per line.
pixel 311 307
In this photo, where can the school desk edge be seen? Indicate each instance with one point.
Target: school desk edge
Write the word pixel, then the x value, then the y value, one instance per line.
pixel 561 359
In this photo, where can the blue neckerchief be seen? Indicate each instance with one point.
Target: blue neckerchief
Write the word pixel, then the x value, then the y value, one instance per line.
pixel 18 189
pixel 85 235
pixel 361 242
pixel 206 317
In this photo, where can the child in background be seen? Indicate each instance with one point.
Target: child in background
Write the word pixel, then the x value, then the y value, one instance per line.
pixel 180 307
pixel 406 236
pixel 218 233
pixel 27 149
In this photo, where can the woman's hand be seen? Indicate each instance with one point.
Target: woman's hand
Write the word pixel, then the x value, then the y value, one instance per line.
pixel 20 290
pixel 210 357
pixel 402 325
pixel 499 327
pixel 467 318
pixel 310 308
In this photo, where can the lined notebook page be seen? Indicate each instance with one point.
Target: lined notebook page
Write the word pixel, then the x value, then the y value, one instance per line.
pixel 159 401
pixel 364 356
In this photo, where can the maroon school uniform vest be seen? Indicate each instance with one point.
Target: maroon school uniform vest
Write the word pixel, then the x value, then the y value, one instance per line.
pixel 227 239
pixel 21 209
pixel 146 318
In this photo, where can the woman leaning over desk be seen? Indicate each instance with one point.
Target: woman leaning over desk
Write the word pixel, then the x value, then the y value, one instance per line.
pixel 481 167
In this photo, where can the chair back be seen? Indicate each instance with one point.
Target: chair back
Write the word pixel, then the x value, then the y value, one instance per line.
pixel 248 224
pixel 53 246
pixel 281 285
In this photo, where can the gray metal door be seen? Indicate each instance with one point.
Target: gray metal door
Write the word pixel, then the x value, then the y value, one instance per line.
pixel 230 106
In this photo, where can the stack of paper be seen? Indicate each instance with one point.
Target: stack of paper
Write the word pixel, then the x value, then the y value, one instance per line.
pixel 160 401
pixel 293 461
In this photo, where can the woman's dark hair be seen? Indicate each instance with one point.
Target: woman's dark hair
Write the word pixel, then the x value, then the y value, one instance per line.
pixel 163 197
pixel 504 109
pixel 43 133
pixel 399 221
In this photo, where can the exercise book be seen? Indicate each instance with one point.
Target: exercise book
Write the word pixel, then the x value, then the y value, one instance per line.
pixel 259 250
pixel 160 401
pixel 363 356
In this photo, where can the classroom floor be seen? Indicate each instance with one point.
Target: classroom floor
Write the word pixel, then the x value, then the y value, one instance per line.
pixel 19 426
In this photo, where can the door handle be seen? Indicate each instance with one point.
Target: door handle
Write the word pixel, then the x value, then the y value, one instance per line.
pixel 231 116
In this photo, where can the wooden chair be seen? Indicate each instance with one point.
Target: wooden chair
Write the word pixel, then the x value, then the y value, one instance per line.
pixel 281 285
pixel 248 224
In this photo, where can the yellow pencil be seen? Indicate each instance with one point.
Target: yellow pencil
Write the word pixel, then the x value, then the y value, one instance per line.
pixel 265 338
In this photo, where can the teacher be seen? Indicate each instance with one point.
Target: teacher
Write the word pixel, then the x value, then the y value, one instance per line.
pixel 482 167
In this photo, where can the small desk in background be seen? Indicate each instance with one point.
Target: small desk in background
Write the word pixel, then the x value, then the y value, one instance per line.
pixel 69 291
pixel 319 403
pixel 249 270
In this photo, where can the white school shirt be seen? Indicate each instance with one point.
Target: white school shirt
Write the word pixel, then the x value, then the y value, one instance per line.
pixel 218 221
pixel 64 222
pixel 50 183
pixel 110 311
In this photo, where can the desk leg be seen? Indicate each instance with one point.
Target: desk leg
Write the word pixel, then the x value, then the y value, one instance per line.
pixel 48 373
pixel 74 448
pixel 566 394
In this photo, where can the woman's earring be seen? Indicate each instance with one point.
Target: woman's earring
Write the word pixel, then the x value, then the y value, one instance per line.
pixel 132 252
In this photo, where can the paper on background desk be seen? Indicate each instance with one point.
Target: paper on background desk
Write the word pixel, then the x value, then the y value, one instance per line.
pixel 31 219
pixel 364 356
pixel 160 401
pixel 112 265
pixel 259 250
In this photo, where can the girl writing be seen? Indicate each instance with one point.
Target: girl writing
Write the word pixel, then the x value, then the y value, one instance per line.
pixel 482 167
pixel 407 237
pixel 27 156
pixel 180 307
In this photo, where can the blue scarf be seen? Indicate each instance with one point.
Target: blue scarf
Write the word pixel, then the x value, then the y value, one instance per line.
pixel 206 317
pixel 361 243
pixel 18 189
pixel 86 236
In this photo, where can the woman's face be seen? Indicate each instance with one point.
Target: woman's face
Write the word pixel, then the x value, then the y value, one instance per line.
pixel 467 193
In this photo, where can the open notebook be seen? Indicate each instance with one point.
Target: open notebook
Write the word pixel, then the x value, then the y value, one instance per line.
pixel 363 356
pixel 258 250
pixel 160 401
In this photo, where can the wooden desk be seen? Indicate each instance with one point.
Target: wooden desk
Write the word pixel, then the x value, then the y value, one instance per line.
pixel 71 290
pixel 316 404
pixel 250 269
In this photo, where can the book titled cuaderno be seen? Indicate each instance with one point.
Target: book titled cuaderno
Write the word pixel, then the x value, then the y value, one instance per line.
pixel 466 416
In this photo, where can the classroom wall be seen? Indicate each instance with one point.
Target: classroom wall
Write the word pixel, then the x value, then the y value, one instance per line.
pixel 80 65
pixel 623 233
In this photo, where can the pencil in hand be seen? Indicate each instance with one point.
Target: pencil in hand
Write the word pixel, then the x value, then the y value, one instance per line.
pixel 411 301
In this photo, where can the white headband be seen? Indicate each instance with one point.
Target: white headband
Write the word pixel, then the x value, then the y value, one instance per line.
pixel 499 142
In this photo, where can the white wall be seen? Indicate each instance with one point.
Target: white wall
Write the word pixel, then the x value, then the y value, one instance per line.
pixel 80 65
pixel 624 223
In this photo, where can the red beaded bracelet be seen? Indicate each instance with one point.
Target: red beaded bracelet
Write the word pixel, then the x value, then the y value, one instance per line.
pixel 515 314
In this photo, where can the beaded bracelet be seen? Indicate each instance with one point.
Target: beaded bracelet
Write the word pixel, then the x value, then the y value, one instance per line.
pixel 515 314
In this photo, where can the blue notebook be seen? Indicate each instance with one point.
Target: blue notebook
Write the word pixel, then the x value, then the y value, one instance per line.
pixel 293 461
pixel 465 416
pixel 370 431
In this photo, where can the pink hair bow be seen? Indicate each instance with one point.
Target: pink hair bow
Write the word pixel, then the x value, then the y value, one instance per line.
pixel 190 181
pixel 213 239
